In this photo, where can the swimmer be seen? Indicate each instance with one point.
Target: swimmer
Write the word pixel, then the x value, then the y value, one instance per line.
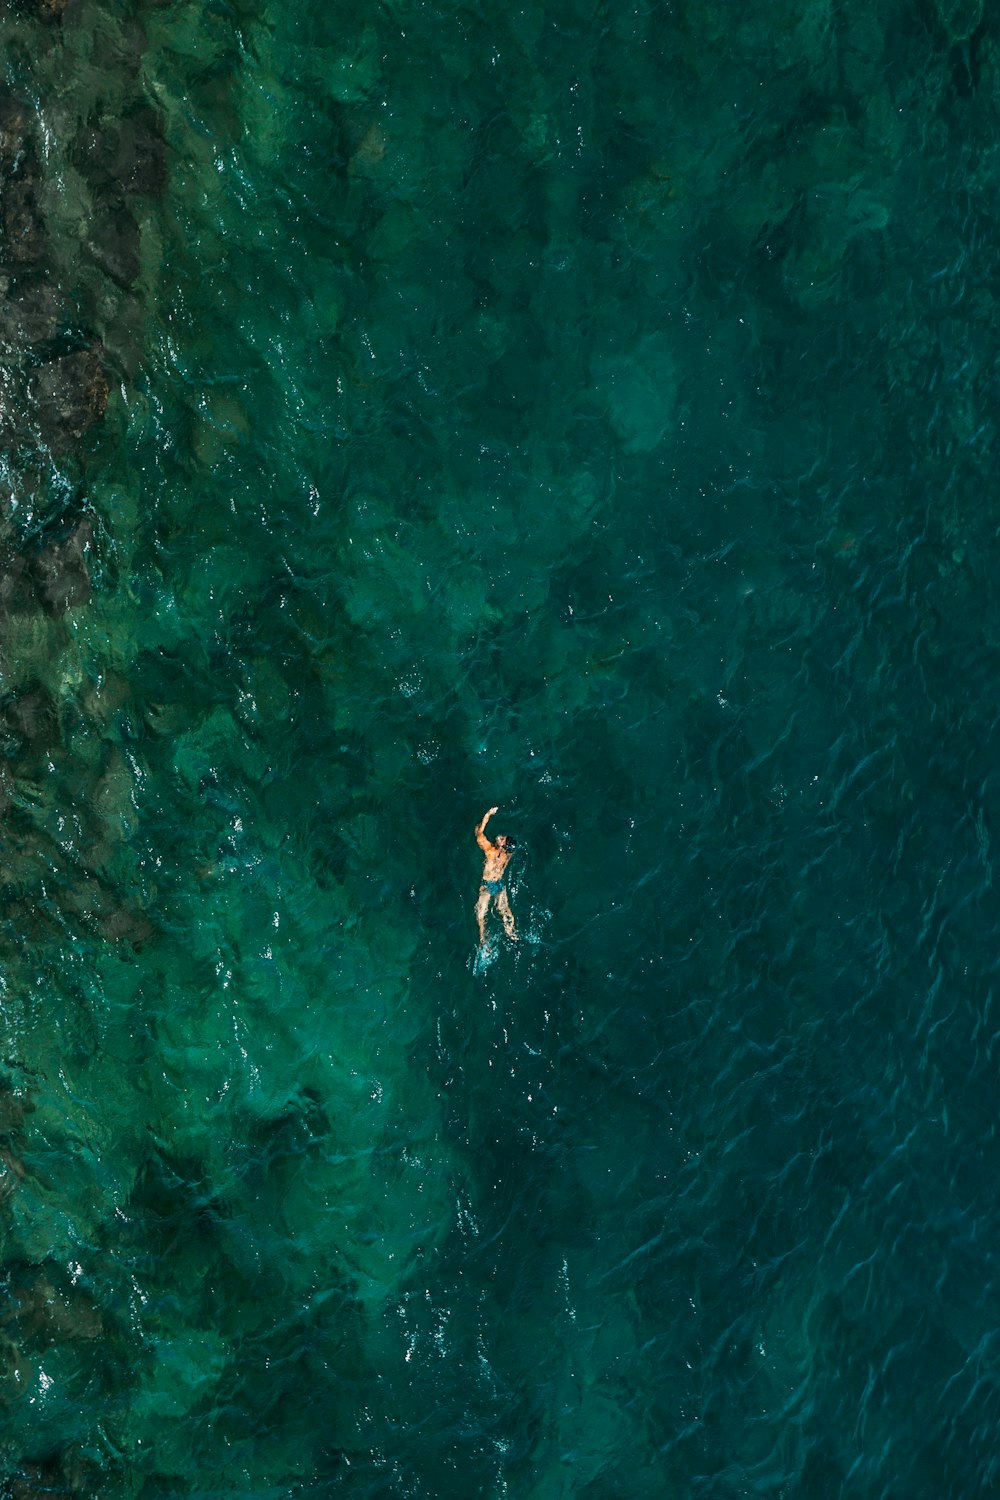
pixel 493 886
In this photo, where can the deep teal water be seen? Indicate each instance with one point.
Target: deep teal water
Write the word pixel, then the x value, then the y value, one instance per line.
pixel 585 409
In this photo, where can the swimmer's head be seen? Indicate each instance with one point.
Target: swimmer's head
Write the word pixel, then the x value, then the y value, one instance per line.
pixel 506 842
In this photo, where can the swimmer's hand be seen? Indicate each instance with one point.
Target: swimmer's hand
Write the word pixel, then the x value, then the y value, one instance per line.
pixel 481 838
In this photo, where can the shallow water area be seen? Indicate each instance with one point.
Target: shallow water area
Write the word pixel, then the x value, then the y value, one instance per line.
pixel 408 410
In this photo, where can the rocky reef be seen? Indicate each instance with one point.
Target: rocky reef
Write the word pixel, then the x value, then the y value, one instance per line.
pixel 81 157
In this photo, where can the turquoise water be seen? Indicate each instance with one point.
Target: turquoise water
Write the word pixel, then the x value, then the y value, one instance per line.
pixel 584 409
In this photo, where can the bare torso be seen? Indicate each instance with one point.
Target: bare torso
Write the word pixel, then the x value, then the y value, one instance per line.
pixel 497 861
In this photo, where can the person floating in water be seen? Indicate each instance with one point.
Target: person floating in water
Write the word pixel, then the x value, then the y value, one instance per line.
pixel 493 886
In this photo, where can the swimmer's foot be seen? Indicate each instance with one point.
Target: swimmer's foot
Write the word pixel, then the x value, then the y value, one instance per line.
pixel 485 955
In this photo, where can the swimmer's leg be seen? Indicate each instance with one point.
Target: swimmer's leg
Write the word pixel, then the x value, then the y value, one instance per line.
pixel 482 907
pixel 503 907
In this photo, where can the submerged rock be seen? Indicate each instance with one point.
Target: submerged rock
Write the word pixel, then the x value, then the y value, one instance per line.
pixel 114 245
pixel 29 312
pixel 61 571
pixel 14 132
pixel 12 1171
pixel 21 223
pixel 71 394
pixel 44 1311
pixel 141 161
pixel 23 227
pixel 38 1481
pixel 128 155
pixel 48 10
pixel 29 721
pixel 123 926
pixel 90 899
pixel 18 593
pixel 13 1108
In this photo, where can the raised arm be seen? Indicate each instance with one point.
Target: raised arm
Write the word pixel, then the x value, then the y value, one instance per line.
pixel 481 838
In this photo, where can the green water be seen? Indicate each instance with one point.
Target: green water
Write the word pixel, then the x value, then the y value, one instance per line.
pixel 584 409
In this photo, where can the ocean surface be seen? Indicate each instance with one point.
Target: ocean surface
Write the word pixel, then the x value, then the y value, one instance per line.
pixel 585 408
